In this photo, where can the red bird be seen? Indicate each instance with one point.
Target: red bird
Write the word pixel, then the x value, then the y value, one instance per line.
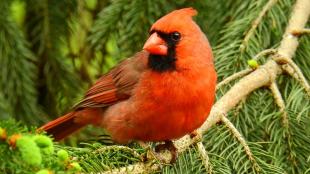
pixel 159 94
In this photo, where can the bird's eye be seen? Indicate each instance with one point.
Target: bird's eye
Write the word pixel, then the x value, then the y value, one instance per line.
pixel 175 36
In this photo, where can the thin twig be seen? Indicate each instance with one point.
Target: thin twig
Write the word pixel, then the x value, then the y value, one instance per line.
pixel 293 70
pixel 242 141
pixel 233 77
pixel 257 21
pixel 46 29
pixel 301 78
pixel 204 156
pixel 239 107
pixel 117 148
pixel 135 168
pixel 280 102
pixel 301 31
pixel 246 71
pixel 264 52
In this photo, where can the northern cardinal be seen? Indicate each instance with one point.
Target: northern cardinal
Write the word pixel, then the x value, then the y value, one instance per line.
pixel 159 94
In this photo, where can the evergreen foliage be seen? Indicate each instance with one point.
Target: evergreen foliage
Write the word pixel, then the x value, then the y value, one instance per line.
pixel 51 50
pixel 46 27
pixel 18 70
pixel 25 152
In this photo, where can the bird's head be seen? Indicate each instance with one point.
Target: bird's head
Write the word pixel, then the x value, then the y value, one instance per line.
pixel 175 38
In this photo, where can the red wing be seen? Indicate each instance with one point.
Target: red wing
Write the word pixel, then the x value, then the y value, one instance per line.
pixel 117 84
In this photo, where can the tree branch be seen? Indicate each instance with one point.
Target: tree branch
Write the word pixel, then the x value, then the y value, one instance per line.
pixel 233 77
pixel 242 141
pixel 301 31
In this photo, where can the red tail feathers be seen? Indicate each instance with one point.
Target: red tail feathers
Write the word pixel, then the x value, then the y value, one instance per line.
pixel 62 126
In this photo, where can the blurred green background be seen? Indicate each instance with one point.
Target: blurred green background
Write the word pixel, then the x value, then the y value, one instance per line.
pixel 51 51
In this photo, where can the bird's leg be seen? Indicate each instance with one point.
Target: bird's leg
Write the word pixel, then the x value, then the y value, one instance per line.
pixel 195 136
pixel 168 145
pixel 150 154
pixel 144 145
pixel 147 149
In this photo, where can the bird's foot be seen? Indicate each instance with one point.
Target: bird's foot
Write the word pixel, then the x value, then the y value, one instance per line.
pixel 168 145
pixel 195 136
pixel 159 154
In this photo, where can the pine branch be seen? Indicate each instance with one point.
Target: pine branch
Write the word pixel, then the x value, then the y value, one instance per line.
pixel 295 72
pixel 23 151
pixel 47 26
pixel 280 102
pixel 265 74
pixel 301 31
pixel 242 141
pixel 5 109
pixel 233 77
pixel 114 147
pixel 264 53
pixel 256 22
pixel 18 71
pixel 135 168
pixel 246 71
pixel 204 157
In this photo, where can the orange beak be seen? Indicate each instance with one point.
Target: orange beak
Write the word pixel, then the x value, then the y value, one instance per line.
pixel 156 45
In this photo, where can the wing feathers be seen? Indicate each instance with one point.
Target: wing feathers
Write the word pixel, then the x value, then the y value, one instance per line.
pixel 117 84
